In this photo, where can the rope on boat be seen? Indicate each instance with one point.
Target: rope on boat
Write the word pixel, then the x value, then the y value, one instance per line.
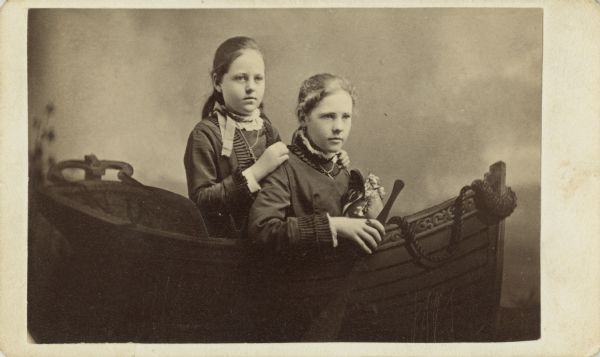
pixel 496 206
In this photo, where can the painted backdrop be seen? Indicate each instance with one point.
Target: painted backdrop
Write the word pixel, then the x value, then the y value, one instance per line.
pixel 443 93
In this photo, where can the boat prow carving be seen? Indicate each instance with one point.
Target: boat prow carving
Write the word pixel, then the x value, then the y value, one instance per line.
pixel 492 200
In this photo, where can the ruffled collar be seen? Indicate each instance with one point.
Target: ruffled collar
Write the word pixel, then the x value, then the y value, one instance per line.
pixel 300 139
pixel 305 151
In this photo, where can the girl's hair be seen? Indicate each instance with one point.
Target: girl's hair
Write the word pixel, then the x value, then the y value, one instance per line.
pixel 226 53
pixel 319 86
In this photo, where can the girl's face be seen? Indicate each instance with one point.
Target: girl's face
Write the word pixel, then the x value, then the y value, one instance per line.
pixel 243 86
pixel 328 124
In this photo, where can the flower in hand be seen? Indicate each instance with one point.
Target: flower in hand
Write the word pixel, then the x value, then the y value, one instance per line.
pixel 374 194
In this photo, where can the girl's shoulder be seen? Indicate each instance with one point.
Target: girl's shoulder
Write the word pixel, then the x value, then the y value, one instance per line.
pixel 294 160
pixel 278 177
pixel 206 126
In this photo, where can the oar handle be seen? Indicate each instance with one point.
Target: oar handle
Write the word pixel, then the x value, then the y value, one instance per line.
pixel 383 215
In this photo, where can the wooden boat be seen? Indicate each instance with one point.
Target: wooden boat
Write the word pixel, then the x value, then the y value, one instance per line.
pixel 142 268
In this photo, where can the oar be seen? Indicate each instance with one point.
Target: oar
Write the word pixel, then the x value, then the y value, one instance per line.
pixel 327 325
pixel 385 212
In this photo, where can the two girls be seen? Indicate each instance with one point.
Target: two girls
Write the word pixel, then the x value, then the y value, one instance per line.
pixel 235 147
pixel 234 157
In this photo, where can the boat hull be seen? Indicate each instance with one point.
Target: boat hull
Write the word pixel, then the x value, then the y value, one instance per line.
pixel 134 275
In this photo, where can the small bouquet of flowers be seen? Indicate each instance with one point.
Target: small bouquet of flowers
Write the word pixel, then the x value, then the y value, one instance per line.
pixel 365 196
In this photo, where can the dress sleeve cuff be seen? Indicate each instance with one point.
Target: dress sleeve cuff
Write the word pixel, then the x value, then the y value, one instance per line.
pixel 253 185
pixel 240 183
pixel 315 230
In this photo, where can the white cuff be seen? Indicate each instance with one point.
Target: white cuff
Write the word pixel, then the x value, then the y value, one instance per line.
pixel 333 232
pixel 253 185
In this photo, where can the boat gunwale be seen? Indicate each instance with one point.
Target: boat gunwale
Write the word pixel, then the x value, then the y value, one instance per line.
pixel 225 241
pixel 124 223
pixel 435 208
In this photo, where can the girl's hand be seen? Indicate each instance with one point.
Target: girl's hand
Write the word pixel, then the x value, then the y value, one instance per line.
pixel 344 158
pixel 366 233
pixel 273 156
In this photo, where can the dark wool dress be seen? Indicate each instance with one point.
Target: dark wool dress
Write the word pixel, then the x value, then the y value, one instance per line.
pixel 290 210
pixel 290 230
pixel 215 182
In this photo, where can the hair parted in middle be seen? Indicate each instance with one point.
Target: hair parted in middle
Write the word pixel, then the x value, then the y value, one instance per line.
pixel 319 86
pixel 226 53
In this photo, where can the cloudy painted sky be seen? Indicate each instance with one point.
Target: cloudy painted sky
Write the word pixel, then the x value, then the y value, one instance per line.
pixel 443 93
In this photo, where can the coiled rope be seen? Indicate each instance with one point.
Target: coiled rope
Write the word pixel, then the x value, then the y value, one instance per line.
pixel 496 206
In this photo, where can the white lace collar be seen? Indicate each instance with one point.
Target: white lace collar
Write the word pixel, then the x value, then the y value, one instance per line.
pixel 248 123
pixel 312 150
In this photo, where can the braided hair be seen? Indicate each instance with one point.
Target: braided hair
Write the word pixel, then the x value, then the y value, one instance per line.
pixel 317 87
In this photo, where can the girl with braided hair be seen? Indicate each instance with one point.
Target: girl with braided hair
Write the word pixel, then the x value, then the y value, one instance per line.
pixel 301 203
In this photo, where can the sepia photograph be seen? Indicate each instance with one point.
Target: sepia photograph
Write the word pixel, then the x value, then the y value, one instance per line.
pixel 300 178
pixel 284 175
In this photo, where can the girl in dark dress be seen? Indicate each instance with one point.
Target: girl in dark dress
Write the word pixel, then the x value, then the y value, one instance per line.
pixel 301 203
pixel 301 210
